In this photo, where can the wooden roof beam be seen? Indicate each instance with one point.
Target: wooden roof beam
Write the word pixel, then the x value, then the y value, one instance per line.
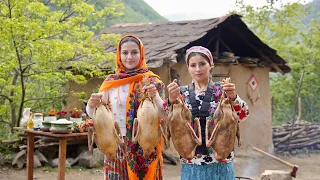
pixel 277 68
pixel 227 47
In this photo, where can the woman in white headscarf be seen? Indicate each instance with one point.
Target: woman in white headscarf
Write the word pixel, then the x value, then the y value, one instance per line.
pixel 202 97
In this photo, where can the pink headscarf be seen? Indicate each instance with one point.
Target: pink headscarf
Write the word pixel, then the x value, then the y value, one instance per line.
pixel 202 50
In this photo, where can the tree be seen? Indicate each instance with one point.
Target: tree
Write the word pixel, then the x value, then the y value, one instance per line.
pixel 285 30
pixel 44 44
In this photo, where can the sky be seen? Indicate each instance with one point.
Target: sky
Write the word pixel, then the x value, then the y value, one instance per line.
pixel 201 8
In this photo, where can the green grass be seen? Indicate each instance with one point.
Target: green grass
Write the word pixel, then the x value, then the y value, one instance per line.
pixel 49 169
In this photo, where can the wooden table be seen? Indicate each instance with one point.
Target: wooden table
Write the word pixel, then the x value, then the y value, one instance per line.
pixel 62 149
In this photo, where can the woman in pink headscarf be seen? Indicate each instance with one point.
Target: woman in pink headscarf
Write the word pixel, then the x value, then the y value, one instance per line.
pixel 202 97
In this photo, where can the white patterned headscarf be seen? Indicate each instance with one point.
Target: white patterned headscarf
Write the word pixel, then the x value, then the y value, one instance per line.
pixel 202 50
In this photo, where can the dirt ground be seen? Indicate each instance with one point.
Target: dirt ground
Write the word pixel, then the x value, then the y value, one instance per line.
pixel 309 167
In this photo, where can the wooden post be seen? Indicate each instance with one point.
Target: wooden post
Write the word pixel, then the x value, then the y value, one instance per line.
pixel 30 154
pixel 218 43
pixel 225 45
pixel 169 73
pixel 272 106
pixel 90 138
pixel 217 48
pixel 62 159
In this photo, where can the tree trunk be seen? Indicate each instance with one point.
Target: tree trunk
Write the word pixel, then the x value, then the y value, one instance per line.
pixel 295 107
pixel 311 108
pixel 19 72
pixel 13 108
pixel 299 109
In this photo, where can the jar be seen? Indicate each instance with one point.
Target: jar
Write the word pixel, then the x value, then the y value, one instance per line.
pixel 37 119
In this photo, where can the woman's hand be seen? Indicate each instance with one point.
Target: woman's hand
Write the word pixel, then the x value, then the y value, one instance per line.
pixel 151 90
pixel 95 100
pixel 174 91
pixel 230 90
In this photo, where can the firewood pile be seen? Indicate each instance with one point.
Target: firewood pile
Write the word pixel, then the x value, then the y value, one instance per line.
pixel 305 138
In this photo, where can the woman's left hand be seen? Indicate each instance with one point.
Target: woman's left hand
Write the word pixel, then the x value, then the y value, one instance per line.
pixel 151 90
pixel 230 90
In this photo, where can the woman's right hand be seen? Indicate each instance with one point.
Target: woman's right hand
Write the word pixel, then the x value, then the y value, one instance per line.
pixel 95 100
pixel 173 91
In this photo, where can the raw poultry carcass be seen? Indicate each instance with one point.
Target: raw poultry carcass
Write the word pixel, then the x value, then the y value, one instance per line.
pixel 184 138
pixel 146 128
pixel 107 131
pixel 226 128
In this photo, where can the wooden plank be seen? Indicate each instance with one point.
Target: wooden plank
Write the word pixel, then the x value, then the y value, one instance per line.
pixel 211 39
pixel 220 75
pixel 9 141
pixel 30 153
pixel 225 45
pixel 62 159
pixel 71 142
pixel 18 128
pixel 50 134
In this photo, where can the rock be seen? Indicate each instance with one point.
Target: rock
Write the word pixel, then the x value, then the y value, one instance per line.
pixel 36 162
pixel 55 162
pixel 20 159
pixel 74 161
pixel 70 160
pixel 293 152
pixel 92 160
pixel 81 149
pixel 286 153
pixel 300 151
pixel 41 157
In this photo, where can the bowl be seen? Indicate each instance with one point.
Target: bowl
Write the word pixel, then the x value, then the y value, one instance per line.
pixel 49 118
pixel 45 126
pixel 61 126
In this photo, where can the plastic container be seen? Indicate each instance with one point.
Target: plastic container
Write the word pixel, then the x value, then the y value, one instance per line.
pixel 37 120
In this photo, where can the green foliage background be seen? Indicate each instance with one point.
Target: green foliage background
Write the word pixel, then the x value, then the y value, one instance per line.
pixel 46 43
pixel 294 31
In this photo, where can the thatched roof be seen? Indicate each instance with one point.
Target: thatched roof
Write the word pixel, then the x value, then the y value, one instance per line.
pixel 166 42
